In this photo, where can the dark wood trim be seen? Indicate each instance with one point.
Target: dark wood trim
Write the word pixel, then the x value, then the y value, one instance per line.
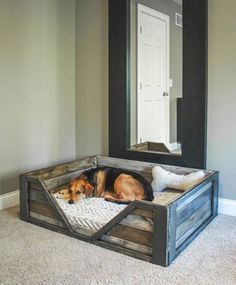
pixel 160 236
pixel 194 85
pixel 24 197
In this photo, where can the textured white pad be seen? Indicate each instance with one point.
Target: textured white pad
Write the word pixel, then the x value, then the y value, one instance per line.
pixel 90 213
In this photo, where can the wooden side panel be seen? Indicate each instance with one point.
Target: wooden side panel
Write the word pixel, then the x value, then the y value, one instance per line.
pixel 141 166
pixel 191 207
pixel 185 229
pixel 62 169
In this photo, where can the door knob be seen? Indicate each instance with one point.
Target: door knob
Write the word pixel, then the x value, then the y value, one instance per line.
pixel 165 94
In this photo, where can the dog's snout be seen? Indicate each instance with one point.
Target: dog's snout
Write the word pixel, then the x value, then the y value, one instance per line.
pixel 70 202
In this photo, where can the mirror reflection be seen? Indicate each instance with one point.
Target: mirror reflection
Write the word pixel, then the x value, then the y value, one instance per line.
pixel 156 75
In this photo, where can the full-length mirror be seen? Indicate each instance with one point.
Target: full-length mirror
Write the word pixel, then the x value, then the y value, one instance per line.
pixel 157 80
pixel 156 35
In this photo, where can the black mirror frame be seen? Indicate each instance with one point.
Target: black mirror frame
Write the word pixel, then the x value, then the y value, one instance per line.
pixel 194 85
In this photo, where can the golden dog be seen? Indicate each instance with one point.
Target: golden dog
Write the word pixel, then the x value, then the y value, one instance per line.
pixel 112 184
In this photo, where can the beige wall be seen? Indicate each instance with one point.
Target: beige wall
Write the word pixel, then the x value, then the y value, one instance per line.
pixel 222 94
pixel 92 77
pixel 37 86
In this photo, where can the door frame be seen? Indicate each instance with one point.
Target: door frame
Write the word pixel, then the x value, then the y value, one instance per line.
pixel 156 14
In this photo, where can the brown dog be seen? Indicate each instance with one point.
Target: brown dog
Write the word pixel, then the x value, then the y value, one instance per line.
pixel 113 184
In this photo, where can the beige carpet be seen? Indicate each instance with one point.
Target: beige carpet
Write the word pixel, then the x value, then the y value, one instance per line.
pixel 32 255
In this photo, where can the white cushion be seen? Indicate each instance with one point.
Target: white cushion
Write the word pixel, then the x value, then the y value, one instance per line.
pixel 165 179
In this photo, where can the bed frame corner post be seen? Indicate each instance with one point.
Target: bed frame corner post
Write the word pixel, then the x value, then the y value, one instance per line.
pixel 215 193
pixel 160 236
pixel 24 198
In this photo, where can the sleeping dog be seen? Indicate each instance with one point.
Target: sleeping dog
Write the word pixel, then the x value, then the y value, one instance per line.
pixel 112 184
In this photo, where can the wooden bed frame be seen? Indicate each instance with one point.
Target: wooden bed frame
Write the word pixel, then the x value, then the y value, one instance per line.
pixel 154 232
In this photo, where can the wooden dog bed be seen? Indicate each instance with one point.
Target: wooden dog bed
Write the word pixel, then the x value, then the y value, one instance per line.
pixel 152 231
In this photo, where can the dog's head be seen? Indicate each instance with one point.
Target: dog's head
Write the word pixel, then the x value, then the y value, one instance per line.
pixel 78 188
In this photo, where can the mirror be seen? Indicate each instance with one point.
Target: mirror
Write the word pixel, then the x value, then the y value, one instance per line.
pixel 187 112
pixel 156 75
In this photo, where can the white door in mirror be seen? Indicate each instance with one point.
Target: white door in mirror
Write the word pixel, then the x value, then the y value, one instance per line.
pixel 153 76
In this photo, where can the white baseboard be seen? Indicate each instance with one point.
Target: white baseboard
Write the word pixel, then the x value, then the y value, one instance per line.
pixel 227 207
pixel 9 200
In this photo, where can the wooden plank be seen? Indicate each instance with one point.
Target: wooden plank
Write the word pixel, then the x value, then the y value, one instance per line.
pixel 35 186
pixel 128 244
pixel 63 187
pixel 61 169
pixel 42 208
pixel 191 207
pixel 131 234
pixel 215 194
pixel 194 228
pixel 138 222
pixel 141 166
pixel 24 199
pixel 37 195
pixel 45 219
pixel 192 220
pixel 160 236
pixel 192 195
pixel 171 246
pixel 123 250
pixel 63 179
pixel 143 213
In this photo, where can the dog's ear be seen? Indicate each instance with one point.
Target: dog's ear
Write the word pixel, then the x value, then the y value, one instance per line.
pixel 88 189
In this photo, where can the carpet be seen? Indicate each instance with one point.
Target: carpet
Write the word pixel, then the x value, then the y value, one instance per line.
pixel 33 255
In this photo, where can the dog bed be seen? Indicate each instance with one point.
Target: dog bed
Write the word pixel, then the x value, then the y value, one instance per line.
pixel 155 231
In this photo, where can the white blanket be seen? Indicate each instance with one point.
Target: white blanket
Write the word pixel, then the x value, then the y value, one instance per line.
pixel 90 213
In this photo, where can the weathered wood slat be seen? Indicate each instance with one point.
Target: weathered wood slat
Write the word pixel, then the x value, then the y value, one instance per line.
pixel 37 195
pixel 160 236
pixel 128 244
pixel 181 203
pixel 143 213
pixel 35 186
pixel 123 250
pixel 193 219
pixel 193 229
pixel 131 234
pixel 61 169
pixel 141 166
pixel 63 187
pixel 42 208
pixel 193 206
pixel 138 222
pixel 45 219
pixel 63 179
